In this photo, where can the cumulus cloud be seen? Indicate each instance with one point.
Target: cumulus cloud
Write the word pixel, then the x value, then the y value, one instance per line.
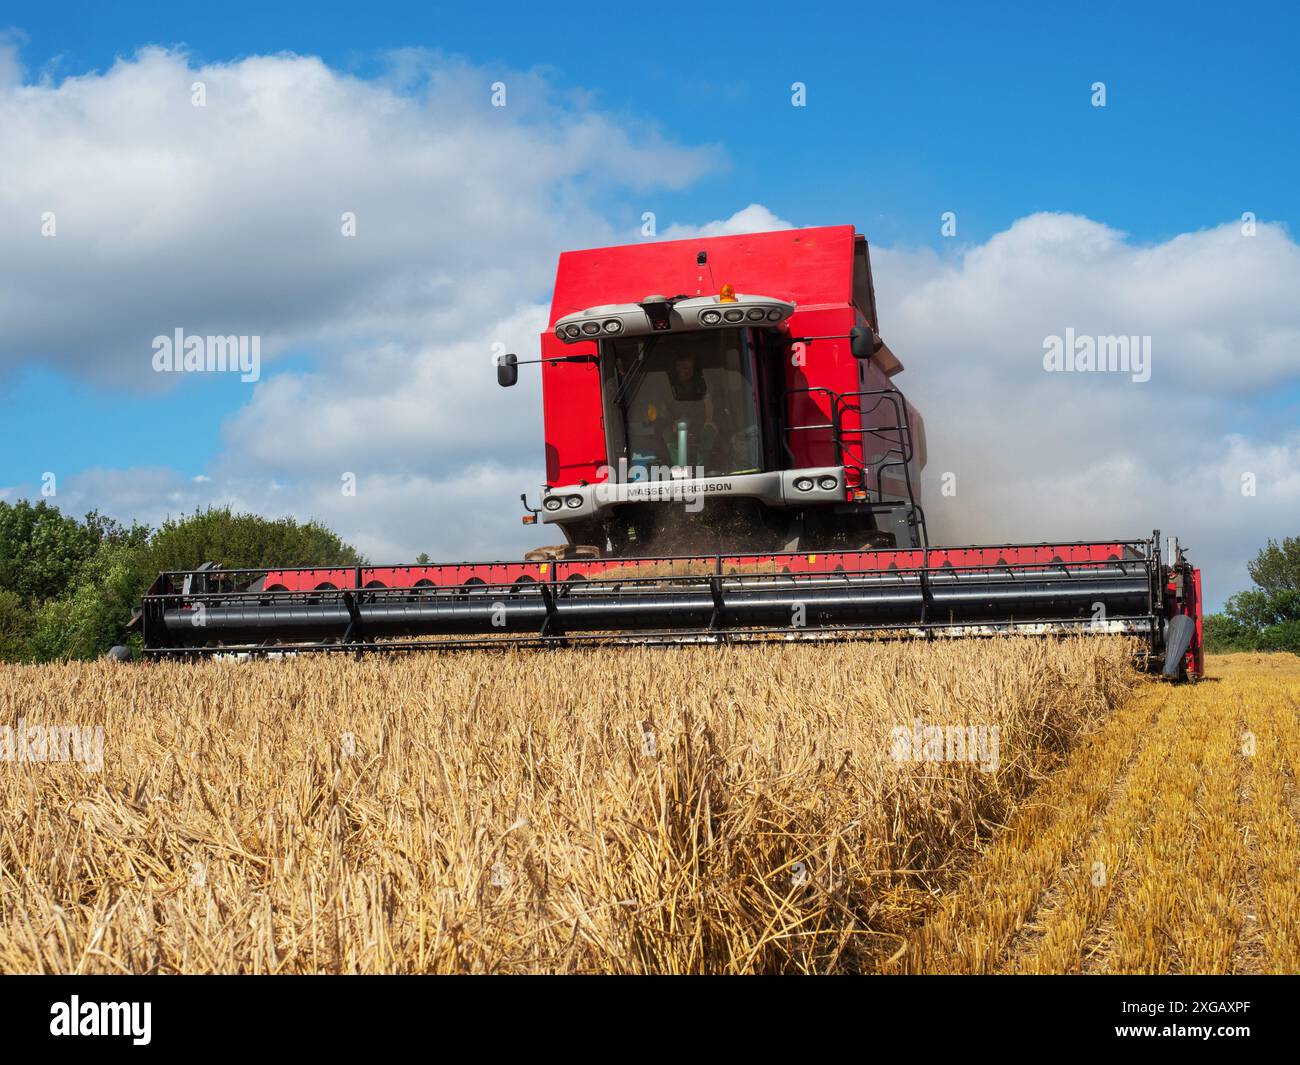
pixel 227 218
pixel 1217 304
pixel 752 219
pixel 431 407
pixel 1041 456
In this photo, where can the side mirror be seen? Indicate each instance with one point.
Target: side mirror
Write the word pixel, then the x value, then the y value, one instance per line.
pixel 863 341
pixel 507 370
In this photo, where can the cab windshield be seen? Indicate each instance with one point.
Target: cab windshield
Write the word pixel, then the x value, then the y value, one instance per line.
pixel 684 399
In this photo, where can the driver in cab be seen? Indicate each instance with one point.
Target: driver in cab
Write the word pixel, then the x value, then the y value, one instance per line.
pixel 692 404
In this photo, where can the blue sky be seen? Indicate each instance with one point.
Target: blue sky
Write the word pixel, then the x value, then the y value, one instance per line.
pixel 913 110
pixel 975 106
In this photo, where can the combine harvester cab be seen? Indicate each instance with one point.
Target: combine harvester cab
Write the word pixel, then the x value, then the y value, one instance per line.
pixel 729 462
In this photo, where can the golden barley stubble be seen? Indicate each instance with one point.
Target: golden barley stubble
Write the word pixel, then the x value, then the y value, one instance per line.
pixel 1166 845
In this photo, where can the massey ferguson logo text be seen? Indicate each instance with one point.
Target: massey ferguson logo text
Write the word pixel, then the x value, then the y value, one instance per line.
pixel 655 484
pixel 179 353
pixel 661 490
pixel 102 1018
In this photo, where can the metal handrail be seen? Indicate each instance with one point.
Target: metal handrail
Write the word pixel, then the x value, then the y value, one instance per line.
pixel 905 449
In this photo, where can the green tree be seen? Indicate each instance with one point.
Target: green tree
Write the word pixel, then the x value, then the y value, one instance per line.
pixel 245 541
pixel 42 549
pixel 16 625
pixel 1223 633
pixel 1277 567
pixel 68 588
pixel 1256 609
pixel 1266 617
pixel 1284 636
pixel 93 615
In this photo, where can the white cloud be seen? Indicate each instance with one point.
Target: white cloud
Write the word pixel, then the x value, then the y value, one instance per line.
pixel 1219 306
pixel 435 407
pixel 752 219
pixel 226 219
pixel 1047 456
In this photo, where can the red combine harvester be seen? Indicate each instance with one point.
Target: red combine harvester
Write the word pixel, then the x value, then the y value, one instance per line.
pixel 726 459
